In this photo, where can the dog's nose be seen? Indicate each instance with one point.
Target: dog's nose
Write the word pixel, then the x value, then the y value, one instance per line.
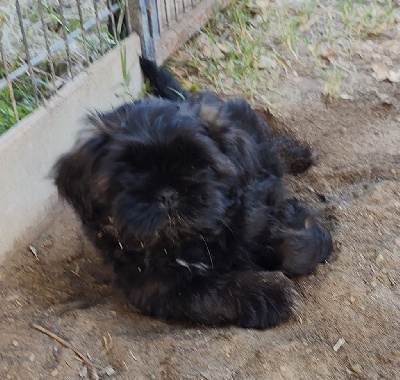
pixel 168 197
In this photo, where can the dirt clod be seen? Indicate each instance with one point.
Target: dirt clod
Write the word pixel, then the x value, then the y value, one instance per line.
pixel 339 344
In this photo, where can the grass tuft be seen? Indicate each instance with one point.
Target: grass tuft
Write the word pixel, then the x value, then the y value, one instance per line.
pixel 255 47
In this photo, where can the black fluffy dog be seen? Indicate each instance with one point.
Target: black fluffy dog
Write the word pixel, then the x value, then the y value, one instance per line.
pixel 184 194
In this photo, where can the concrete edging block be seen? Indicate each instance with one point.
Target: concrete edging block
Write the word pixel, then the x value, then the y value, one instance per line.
pixel 29 150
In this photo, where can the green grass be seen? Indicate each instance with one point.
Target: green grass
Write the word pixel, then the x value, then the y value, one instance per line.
pixel 363 19
pixel 25 105
pixel 23 94
pixel 22 87
pixel 236 58
pixel 250 49
pixel 266 42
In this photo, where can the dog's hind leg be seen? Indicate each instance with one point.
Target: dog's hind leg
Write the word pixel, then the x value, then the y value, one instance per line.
pixel 249 299
pixel 299 242
pixel 162 82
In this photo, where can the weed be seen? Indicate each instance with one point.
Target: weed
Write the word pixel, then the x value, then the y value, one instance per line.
pixel 332 81
pixel 265 41
pixel 24 99
pixel 22 87
pixel 363 19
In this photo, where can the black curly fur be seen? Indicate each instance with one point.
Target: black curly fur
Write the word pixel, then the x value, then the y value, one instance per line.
pixel 186 198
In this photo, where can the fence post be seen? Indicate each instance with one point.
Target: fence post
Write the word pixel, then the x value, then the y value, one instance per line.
pixel 138 15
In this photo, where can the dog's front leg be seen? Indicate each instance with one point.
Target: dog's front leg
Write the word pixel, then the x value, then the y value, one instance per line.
pixel 183 292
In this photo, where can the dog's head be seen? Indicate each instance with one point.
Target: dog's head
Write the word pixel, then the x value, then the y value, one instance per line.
pixel 153 169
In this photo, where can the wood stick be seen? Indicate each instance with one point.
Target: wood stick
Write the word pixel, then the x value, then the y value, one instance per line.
pixel 92 368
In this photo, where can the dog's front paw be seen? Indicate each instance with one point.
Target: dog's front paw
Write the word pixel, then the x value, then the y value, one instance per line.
pixel 250 299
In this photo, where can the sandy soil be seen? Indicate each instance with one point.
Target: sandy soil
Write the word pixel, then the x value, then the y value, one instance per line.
pixel 355 298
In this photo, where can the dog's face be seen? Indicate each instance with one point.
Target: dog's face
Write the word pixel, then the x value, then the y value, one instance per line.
pixel 166 183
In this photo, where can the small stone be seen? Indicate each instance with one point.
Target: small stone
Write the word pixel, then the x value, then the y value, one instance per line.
pixel 394 76
pixel 379 258
pixel 83 372
pixel 217 53
pixel 266 62
pixel 339 344
pixel 225 48
pixel 374 284
pixel 108 370
pixel 393 171
pixel 32 357
pixel 113 313
pixel 34 251
pixel 381 72
pixel 206 49
pixel 356 368
pixel 54 373
pixel 397 241
pixel 352 299
pixel 153 377
pixel 15 343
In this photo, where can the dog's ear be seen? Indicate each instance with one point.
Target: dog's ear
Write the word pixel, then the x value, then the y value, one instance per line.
pixel 73 173
pixel 109 122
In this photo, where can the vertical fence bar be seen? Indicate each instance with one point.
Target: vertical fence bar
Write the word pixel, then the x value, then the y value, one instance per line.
pixel 146 36
pixel 96 12
pixel 139 22
pixel 128 5
pixel 176 11
pixel 28 57
pixel 65 37
pixel 46 40
pixel 85 49
pixel 166 12
pixel 154 19
pixel 9 82
pixel 114 29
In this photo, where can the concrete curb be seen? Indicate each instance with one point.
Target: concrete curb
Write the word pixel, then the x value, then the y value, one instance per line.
pixel 29 150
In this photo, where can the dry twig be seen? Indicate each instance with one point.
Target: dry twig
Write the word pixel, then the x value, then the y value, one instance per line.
pixel 92 368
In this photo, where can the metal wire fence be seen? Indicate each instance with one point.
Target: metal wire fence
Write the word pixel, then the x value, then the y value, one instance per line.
pixel 161 16
pixel 46 43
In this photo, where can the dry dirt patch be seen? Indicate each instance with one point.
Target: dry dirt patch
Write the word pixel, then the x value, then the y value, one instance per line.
pixel 353 300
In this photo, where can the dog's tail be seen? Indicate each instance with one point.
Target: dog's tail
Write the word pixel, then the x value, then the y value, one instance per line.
pixel 162 82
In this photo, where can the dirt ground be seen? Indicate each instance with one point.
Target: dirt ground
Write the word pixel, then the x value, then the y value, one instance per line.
pixel 348 325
